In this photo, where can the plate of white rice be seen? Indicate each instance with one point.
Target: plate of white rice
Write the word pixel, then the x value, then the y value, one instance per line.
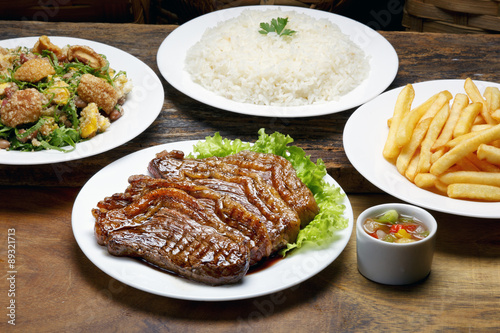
pixel 329 64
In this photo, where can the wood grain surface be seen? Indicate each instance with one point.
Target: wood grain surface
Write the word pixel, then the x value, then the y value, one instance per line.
pixel 58 289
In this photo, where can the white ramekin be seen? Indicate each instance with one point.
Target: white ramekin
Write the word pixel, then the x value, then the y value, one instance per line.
pixel 394 263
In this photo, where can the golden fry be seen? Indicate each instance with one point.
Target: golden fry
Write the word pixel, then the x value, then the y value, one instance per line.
pixel 480 127
pixel 425 180
pixel 459 103
pixel 496 115
pixel 474 192
pixel 466 119
pixel 410 120
pixel 409 150
pixel 471 177
pixel 443 98
pixel 403 106
pixel 437 154
pixel 492 97
pixel 475 96
pixel 454 142
pixel 482 164
pixel 489 153
pixel 463 149
pixel 435 128
pixel 411 171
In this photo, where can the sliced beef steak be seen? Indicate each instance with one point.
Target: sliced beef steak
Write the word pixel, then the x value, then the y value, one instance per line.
pixel 171 229
pixel 244 185
pixel 231 214
pixel 279 173
pixel 208 219
pixel 275 170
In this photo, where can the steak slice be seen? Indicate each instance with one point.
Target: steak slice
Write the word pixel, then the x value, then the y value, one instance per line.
pixel 279 173
pixel 233 216
pixel 170 229
pixel 243 185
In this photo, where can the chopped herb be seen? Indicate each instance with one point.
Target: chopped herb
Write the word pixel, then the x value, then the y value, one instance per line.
pixel 277 26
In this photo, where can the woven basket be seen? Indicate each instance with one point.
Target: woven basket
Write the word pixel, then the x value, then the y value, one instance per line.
pixel 457 16
pixel 180 11
pixel 76 10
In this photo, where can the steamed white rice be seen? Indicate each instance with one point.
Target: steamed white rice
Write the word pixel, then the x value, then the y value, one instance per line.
pixel 317 64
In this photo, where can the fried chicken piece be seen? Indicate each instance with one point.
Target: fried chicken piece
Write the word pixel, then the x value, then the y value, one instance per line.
pixel 86 55
pixel 44 43
pixel 92 89
pixel 25 106
pixel 34 70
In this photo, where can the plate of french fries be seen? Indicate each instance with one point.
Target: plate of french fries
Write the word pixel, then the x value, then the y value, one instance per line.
pixel 435 144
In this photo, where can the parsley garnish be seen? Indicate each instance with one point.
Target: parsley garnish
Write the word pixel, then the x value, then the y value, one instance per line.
pixel 277 26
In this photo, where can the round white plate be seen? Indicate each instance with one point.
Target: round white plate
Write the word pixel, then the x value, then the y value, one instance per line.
pixel 295 268
pixel 383 64
pixel 143 105
pixel 365 134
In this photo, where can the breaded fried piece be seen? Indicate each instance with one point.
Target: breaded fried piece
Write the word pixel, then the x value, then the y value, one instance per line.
pixel 87 55
pixel 34 70
pixel 24 107
pixel 92 89
pixel 5 60
pixel 44 43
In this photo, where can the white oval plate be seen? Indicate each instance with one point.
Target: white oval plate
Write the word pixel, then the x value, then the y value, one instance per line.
pixel 365 134
pixel 142 107
pixel 383 64
pixel 295 268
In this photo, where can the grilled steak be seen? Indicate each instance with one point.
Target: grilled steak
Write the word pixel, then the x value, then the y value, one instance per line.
pixel 206 219
pixel 274 170
pixel 229 212
pixel 171 229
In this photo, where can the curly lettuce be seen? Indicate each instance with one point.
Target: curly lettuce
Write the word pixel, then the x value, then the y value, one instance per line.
pixel 321 230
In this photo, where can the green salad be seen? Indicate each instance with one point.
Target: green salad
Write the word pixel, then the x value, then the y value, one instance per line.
pixel 321 230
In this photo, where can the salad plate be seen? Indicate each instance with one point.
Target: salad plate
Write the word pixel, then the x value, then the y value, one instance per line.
pixel 365 153
pixel 383 61
pixel 141 108
pixel 298 266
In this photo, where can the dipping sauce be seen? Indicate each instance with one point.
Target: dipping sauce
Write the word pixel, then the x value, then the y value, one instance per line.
pixel 393 227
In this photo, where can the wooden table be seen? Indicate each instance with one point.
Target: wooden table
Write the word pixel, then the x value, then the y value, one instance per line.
pixel 58 289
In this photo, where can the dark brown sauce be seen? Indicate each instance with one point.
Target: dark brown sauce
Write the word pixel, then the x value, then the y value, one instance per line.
pixel 264 264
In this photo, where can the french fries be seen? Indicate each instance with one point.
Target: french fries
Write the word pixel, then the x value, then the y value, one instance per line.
pixel 466 119
pixel 459 103
pixel 489 153
pixel 454 151
pixel 403 105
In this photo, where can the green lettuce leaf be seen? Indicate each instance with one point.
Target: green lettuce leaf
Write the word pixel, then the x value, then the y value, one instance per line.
pixel 217 146
pixel 321 230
